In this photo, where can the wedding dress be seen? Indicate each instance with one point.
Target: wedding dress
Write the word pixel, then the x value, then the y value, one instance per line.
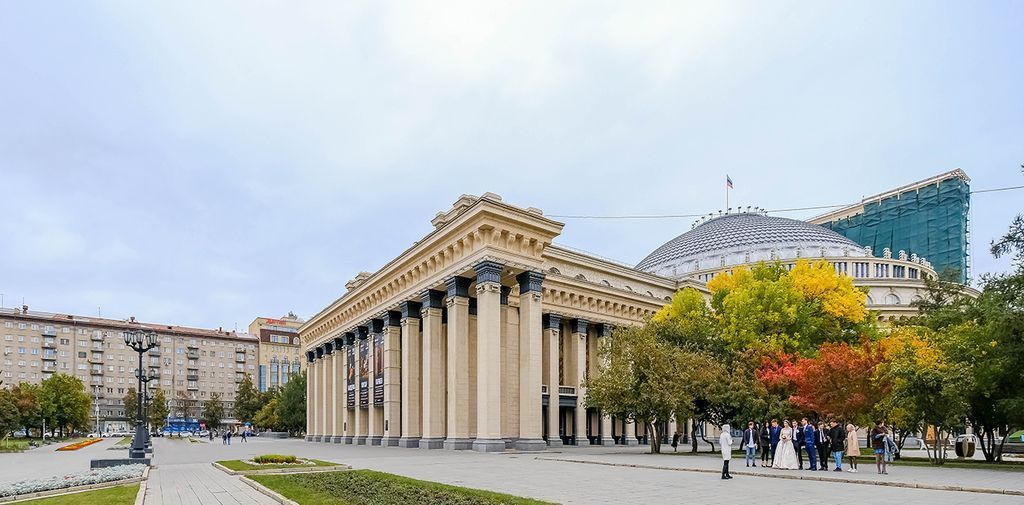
pixel 785 455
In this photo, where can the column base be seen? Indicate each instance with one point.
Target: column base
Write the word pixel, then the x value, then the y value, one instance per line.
pixel 337 439
pixel 347 440
pixel 584 442
pixel 555 442
pixel 317 438
pixel 458 444
pixel 606 441
pixel 409 443
pixel 376 440
pixel 361 440
pixel 632 441
pixel 431 443
pixel 509 443
pixel 489 445
pixel 531 445
pixel 309 438
pixel 390 442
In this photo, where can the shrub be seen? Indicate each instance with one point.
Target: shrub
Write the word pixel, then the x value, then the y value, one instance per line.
pixel 72 480
pixel 268 459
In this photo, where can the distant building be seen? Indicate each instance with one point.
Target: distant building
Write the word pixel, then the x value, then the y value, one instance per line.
pixel 928 217
pixel 279 349
pixel 192 363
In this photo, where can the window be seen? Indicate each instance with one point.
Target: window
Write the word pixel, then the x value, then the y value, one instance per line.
pixel 892 299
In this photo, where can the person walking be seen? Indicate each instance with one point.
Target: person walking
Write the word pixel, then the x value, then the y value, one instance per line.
pixel 243 436
pixel 877 438
pixel 773 439
pixel 725 439
pixel 750 443
pixel 809 434
pixel 823 443
pixel 764 439
pixel 785 456
pixel 675 441
pixel 224 438
pixel 852 447
pixel 229 437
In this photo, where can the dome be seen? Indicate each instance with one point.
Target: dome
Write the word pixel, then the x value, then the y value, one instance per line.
pixel 744 238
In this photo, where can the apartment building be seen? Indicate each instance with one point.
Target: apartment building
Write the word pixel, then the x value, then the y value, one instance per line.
pixel 279 349
pixel 192 363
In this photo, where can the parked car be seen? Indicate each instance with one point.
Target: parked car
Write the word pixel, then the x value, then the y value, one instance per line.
pixel 1014 443
pixel 204 433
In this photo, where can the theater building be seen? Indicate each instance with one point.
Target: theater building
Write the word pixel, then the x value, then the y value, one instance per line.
pixel 480 335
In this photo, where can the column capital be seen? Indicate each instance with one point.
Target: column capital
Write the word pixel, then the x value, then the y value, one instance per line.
pixel 529 281
pixel 458 287
pixel 362 332
pixel 432 299
pixel 319 351
pixel 604 329
pixel 579 326
pixel 551 321
pixel 375 325
pixel 393 318
pixel 350 337
pixel 310 356
pixel 488 271
pixel 505 290
pixel 339 342
pixel 329 347
pixel 411 309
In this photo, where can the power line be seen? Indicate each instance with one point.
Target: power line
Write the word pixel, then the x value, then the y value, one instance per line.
pixel 791 209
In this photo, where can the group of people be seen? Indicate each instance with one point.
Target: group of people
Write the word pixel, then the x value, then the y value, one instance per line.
pixel 783 446
pixel 226 435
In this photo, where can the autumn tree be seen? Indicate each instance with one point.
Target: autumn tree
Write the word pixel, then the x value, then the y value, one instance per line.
pixel 9 418
pixel 158 409
pixel 26 398
pixel 247 400
pixel 130 400
pixel 213 411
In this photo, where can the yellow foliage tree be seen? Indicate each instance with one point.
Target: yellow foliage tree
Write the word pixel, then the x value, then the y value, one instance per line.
pixel 838 296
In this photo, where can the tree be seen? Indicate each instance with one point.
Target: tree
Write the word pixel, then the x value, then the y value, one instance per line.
pixel 247 400
pixel 9 416
pixel 291 406
pixel 267 416
pixel 158 410
pixel 64 403
pixel 213 411
pixel 131 406
pixel 26 397
pixel 645 379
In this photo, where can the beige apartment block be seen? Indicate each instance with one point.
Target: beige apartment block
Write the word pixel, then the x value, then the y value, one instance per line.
pixel 192 363
pixel 280 350
pixel 480 335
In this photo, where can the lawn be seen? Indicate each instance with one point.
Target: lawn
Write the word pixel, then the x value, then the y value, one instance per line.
pixel 365 487
pixel 13 445
pixel 239 465
pixel 124 441
pixel 120 495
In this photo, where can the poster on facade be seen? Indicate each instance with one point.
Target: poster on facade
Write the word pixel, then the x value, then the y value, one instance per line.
pixel 350 377
pixel 364 372
pixel 378 369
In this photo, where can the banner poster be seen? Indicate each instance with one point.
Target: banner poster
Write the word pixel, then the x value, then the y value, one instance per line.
pixel 350 376
pixel 364 372
pixel 378 369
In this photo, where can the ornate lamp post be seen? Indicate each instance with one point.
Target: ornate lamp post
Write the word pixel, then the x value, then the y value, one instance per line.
pixel 140 341
pixel 146 378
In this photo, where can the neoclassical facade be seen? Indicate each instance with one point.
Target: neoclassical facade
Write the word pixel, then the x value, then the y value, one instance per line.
pixel 481 334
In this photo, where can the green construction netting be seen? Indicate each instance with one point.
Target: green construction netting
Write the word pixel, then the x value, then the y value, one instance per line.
pixel 930 221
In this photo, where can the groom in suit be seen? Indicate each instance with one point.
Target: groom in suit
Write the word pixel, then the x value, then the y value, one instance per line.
pixel 809 445
pixel 773 437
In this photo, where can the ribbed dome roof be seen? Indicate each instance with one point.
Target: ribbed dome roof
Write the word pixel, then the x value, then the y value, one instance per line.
pixel 745 238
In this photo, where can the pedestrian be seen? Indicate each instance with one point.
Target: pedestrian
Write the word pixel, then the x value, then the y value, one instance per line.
pixel 877 438
pixel 243 436
pixel 808 437
pixel 773 437
pixel 837 441
pixel 750 443
pixel 726 441
pixel 210 433
pixel 224 438
pixel 852 447
pixel 229 436
pixel 675 441
pixel 764 438
pixel 823 443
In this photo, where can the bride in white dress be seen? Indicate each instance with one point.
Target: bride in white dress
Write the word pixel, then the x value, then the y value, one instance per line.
pixel 785 454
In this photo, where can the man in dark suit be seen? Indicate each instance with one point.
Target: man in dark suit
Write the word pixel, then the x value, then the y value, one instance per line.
pixel 822 442
pixel 773 438
pixel 809 434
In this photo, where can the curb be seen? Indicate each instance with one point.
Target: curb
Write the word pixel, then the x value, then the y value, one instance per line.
pixel 934 487
pixel 140 497
pixel 267 491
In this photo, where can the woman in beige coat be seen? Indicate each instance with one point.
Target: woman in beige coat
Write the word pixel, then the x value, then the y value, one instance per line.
pixel 852 447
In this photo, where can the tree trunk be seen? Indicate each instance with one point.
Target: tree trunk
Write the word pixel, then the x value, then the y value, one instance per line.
pixel 1002 443
pixel 704 438
pixel 987 441
pixel 653 437
pixel 693 437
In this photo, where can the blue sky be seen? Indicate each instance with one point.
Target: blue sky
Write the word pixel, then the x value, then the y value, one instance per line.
pixel 203 163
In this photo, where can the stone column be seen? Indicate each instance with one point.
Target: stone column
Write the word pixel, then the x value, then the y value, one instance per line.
pixel 318 387
pixel 630 433
pixel 362 413
pixel 392 378
pixel 579 346
pixel 412 375
pixel 458 364
pixel 673 427
pixel 351 383
pixel 434 369
pixel 530 358
pixel 552 334
pixel 604 332
pixel 310 394
pixel 509 370
pixel 376 412
pixel 327 401
pixel 338 390
pixel 488 358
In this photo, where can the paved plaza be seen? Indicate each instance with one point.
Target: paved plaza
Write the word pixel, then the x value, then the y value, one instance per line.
pixel 183 474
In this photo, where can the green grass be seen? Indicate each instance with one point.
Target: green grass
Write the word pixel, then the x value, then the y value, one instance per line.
pixel 239 465
pixel 365 487
pixel 124 441
pixel 120 495
pixel 13 445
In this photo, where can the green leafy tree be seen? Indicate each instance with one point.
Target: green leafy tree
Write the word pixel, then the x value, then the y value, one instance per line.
pixel 158 409
pixel 213 411
pixel 64 404
pixel 9 416
pixel 291 405
pixel 131 405
pixel 30 412
pixel 267 416
pixel 247 400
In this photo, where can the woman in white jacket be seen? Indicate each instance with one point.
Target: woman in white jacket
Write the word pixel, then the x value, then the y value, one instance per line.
pixel 726 441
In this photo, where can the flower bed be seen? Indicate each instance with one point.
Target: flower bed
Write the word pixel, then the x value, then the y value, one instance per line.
pixel 78 445
pixel 97 476
pixel 274 458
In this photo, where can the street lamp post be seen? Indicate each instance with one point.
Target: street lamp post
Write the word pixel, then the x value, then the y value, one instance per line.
pixel 145 378
pixel 140 341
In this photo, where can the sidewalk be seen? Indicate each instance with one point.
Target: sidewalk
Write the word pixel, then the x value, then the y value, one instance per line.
pixel 199 484
pixel 940 478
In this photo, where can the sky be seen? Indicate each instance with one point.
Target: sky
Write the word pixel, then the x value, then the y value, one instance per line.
pixel 203 163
